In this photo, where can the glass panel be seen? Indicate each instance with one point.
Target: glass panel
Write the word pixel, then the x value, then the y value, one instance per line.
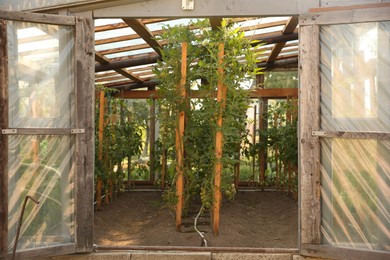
pixel 355 179
pixel 41 167
pixel 41 75
pixel 355 65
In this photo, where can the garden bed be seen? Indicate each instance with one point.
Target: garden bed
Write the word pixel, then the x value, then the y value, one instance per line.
pixel 253 219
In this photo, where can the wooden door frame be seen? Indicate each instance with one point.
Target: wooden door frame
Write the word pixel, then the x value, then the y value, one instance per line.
pixel 84 164
pixel 309 121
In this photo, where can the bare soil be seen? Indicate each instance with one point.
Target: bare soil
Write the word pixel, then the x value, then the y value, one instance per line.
pixel 254 219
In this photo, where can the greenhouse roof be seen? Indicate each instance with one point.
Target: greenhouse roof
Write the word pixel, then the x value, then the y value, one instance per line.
pixel 127 49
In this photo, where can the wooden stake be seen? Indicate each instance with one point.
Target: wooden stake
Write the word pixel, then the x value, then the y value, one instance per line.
pixel 179 139
pixel 254 143
pixel 263 125
pixel 221 99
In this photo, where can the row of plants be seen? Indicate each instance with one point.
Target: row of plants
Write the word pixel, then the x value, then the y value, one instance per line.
pixel 280 147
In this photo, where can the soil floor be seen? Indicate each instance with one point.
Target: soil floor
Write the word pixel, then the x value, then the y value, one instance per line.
pixel 253 219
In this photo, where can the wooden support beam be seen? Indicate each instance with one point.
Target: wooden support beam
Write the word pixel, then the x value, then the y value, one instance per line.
pixel 221 99
pixel 275 93
pixel 102 60
pixel 179 140
pixel 131 62
pixel 215 23
pixel 309 120
pixel 289 28
pixel 144 33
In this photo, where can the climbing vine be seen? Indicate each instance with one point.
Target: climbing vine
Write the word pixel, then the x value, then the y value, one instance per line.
pixel 239 65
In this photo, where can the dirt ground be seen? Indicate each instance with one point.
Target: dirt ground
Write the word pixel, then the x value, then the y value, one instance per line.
pixel 254 219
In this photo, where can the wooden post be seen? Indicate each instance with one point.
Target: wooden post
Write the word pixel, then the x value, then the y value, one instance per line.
pixel 99 184
pixel 263 125
pixel 152 138
pixel 85 60
pixel 163 168
pixel 254 143
pixel 179 139
pixel 221 99
pixel 3 140
pixel 309 146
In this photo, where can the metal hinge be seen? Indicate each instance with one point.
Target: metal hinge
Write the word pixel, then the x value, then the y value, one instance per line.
pixel 9 131
pixel 77 131
pixel 319 133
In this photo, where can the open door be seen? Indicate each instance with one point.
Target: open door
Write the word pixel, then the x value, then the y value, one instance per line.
pixel 46 139
pixel 345 133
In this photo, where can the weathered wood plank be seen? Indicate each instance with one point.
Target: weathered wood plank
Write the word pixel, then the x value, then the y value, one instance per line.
pixel 37 18
pixel 346 16
pixel 221 99
pixel 3 139
pixel 85 143
pixel 309 146
pixel 45 252
pixel 179 140
pixel 342 253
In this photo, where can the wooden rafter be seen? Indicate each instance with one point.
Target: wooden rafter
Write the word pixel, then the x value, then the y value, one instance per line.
pixel 102 60
pixel 144 33
pixel 289 28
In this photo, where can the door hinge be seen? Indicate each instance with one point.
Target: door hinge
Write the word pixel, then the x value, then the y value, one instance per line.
pixel 9 131
pixel 77 131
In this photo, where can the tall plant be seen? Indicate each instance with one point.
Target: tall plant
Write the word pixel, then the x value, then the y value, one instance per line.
pixel 239 64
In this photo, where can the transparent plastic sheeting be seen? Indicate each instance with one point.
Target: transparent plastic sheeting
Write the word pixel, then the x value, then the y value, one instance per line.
pixel 41 95
pixel 41 75
pixel 355 173
pixel 42 167
pixel 21 5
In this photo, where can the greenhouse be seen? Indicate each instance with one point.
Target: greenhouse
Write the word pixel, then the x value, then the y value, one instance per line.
pixel 194 129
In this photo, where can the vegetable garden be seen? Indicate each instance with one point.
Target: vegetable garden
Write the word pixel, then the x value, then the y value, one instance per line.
pixel 208 145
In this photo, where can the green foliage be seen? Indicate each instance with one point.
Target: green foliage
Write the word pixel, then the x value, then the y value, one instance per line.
pixel 279 79
pixel 239 66
pixel 122 138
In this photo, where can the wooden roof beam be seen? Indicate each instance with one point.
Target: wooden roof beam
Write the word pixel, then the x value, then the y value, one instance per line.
pixel 102 60
pixel 277 93
pixel 289 28
pixel 144 33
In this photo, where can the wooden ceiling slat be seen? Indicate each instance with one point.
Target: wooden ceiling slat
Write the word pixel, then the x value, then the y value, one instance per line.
pixel 117 39
pixel 109 27
pixel 130 48
pixel 144 33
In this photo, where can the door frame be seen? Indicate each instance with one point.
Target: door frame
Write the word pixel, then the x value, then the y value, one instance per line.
pixel 310 132
pixel 84 149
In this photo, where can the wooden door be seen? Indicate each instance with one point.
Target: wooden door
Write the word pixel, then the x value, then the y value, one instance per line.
pixel 344 132
pixel 46 140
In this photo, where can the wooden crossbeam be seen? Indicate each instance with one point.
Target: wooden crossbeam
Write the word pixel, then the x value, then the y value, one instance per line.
pixel 144 33
pixel 289 28
pixel 274 93
pixel 102 60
